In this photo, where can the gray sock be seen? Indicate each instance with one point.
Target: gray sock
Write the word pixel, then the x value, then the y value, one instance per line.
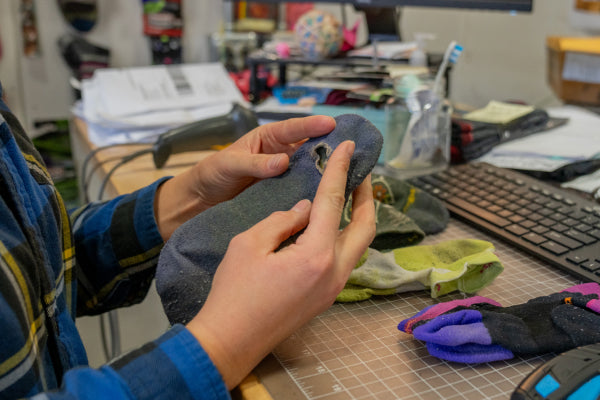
pixel 190 258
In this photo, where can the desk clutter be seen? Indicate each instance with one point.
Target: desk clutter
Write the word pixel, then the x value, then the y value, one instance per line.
pixel 354 350
pixel 440 282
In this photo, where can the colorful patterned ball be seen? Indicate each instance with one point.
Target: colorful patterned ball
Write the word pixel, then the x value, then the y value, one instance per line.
pixel 319 34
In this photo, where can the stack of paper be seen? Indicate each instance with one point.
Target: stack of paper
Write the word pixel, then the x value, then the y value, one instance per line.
pixel 138 104
pixel 385 50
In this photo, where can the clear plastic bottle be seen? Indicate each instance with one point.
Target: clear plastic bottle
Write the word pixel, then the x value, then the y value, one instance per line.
pixel 418 58
pixel 417 137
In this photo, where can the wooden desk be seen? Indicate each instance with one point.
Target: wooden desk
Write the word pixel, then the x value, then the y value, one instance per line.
pixel 132 176
pixel 354 351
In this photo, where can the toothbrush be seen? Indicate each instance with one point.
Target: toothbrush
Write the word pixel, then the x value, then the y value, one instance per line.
pixel 407 151
pixel 451 56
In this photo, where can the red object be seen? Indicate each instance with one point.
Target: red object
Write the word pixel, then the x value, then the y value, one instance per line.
pixel 295 11
pixel 350 37
pixel 266 81
pixel 167 22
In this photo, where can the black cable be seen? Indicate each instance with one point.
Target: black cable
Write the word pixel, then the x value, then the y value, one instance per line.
pixel 124 161
pixel 91 155
pixel 86 180
pixel 113 317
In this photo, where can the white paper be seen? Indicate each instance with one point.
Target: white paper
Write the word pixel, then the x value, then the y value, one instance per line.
pixel 131 91
pixel 138 104
pixel 588 183
pixel 386 50
pixel 578 139
pixel 581 67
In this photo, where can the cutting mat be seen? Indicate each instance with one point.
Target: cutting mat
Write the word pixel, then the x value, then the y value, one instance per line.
pixel 355 351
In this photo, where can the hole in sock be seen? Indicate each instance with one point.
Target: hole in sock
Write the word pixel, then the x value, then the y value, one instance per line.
pixel 320 153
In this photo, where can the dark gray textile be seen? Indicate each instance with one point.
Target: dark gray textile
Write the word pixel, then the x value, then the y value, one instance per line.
pixel 190 258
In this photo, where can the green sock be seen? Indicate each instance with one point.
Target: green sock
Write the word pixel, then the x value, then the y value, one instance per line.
pixel 404 213
pixel 466 265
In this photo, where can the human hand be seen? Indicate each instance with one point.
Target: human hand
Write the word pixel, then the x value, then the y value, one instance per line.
pixel 262 153
pixel 260 296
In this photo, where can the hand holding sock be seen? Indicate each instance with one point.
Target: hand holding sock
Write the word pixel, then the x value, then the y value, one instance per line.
pixel 190 258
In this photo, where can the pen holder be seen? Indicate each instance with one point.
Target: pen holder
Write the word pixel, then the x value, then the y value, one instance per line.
pixel 418 130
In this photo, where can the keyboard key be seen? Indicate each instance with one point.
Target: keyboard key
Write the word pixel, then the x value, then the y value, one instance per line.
pixel 554 248
pixel 577 259
pixel 504 213
pixel 534 238
pixel 547 222
pixel 581 237
pixel 515 218
pixel 563 240
pixel 553 205
pixel 578 215
pixel 590 220
pixel 534 217
pixel 484 204
pixel 542 200
pixel 533 206
pixel 557 216
pixel 583 227
pixel 516 229
pixel 494 208
pixel 559 227
pixel 591 266
pixel 513 207
pixel 473 199
pixel 570 222
pixel 540 229
pixel 566 210
pixel 485 215
pixel 529 224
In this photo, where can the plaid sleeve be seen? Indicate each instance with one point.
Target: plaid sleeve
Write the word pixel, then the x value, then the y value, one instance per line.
pixel 172 367
pixel 117 244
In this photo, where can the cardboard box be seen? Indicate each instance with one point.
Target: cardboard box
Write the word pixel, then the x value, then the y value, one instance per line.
pixel 574 68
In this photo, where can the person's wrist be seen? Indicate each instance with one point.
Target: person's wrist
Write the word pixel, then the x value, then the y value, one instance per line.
pixel 221 354
pixel 175 203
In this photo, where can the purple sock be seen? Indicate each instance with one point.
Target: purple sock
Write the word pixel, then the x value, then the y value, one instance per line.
pixel 483 331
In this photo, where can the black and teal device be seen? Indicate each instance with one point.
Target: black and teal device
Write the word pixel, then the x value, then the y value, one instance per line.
pixel 572 375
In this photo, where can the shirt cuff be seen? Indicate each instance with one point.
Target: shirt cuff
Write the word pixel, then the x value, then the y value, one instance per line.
pixel 146 227
pixel 174 366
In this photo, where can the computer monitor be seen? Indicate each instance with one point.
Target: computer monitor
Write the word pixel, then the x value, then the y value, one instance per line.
pixel 506 5
pixel 382 16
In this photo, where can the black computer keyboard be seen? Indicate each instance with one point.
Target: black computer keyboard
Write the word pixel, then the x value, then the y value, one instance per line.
pixel 552 224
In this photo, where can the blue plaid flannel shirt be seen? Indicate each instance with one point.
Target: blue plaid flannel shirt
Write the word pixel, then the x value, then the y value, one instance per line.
pixel 55 266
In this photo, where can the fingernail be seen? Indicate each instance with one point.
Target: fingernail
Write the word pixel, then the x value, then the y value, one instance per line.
pixel 349 146
pixel 301 205
pixel 275 161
